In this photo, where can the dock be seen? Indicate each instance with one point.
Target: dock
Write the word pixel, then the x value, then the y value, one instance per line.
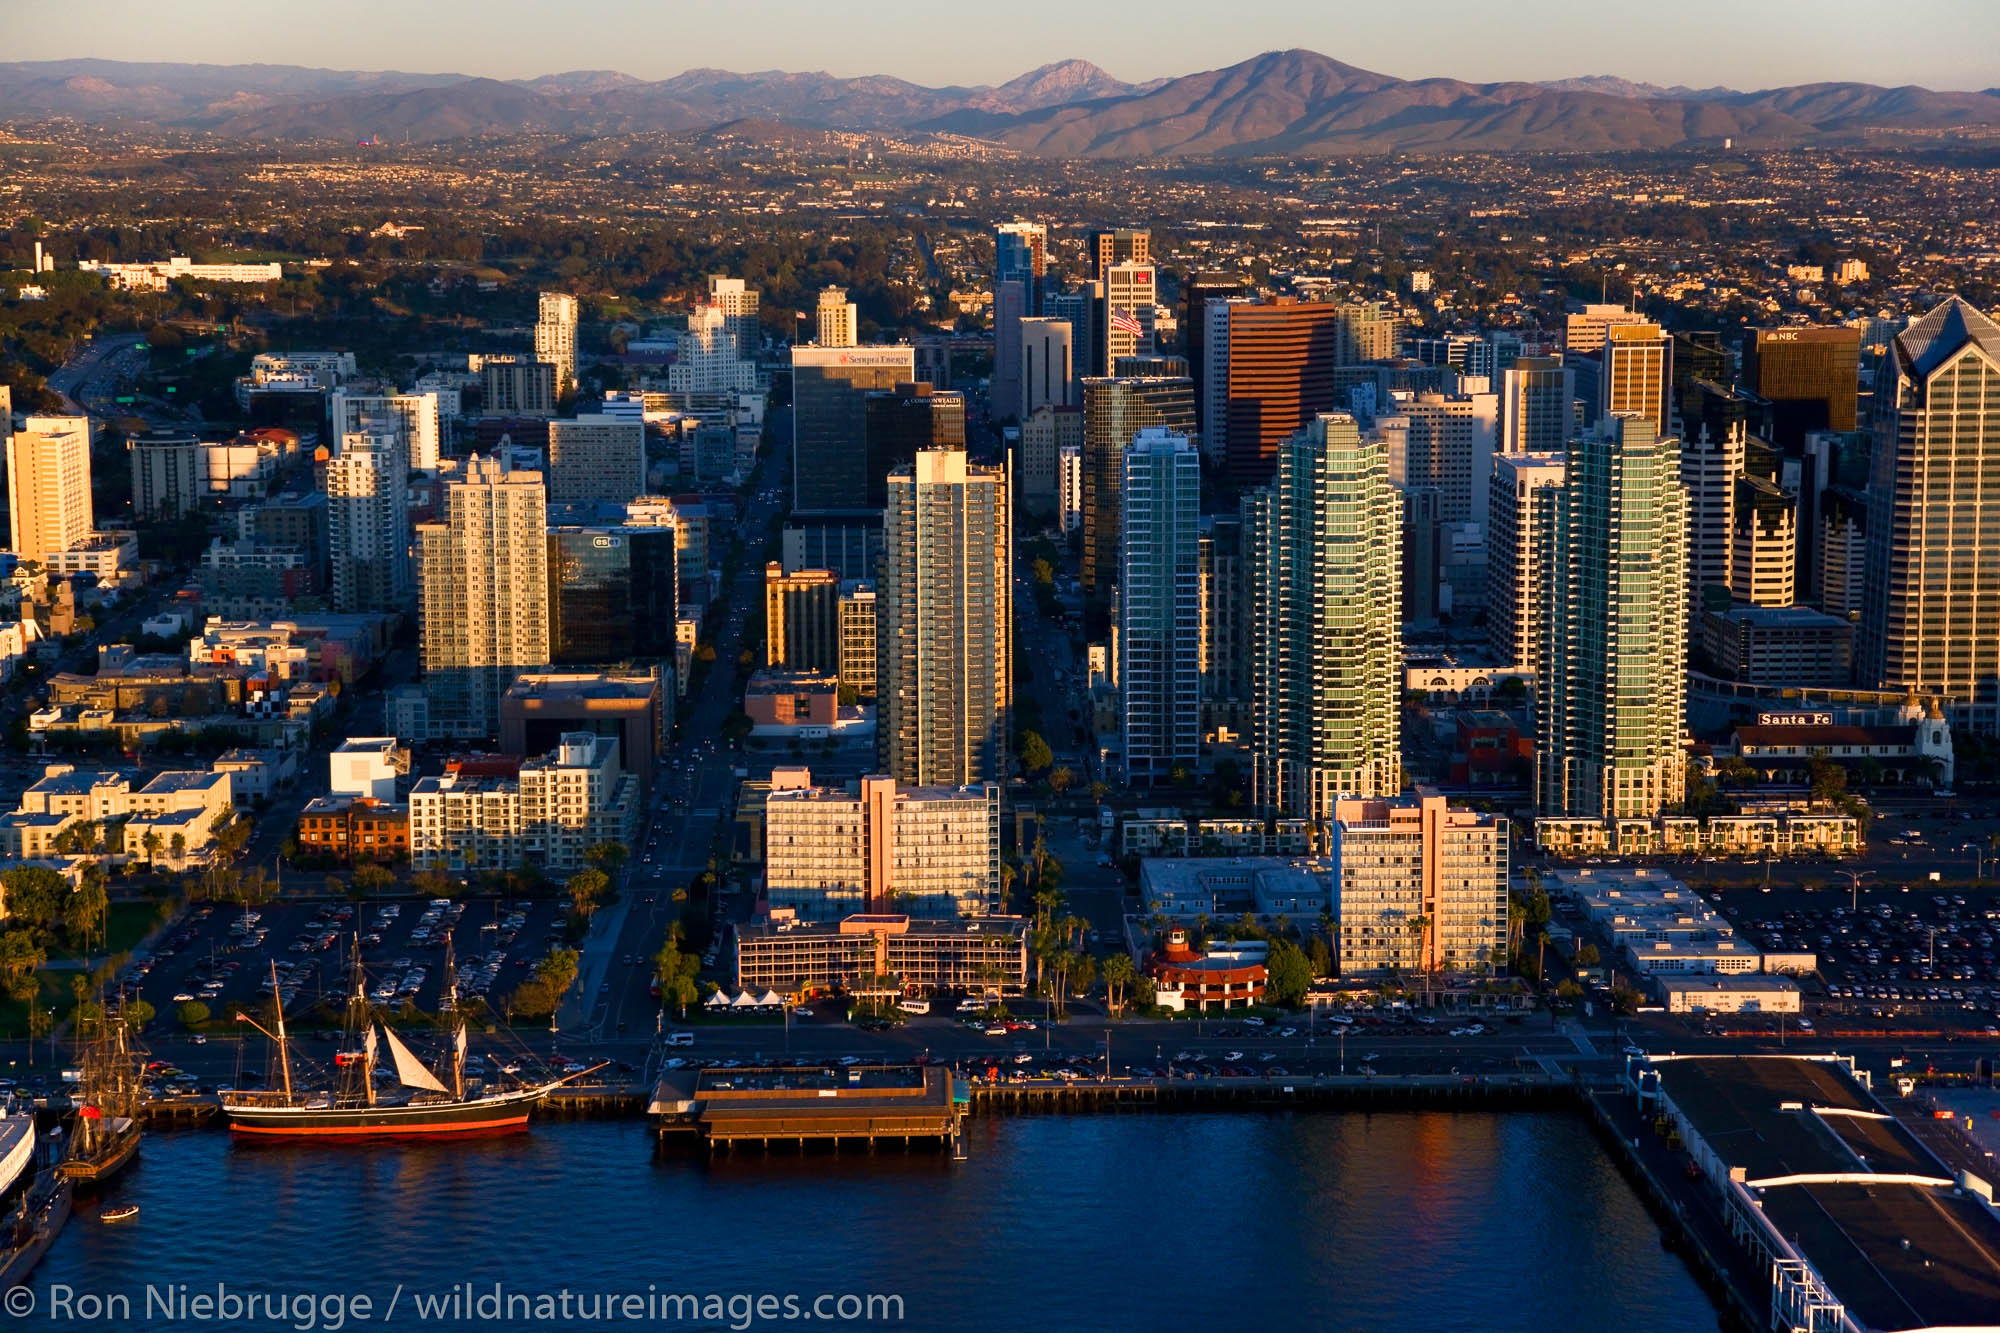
pixel 855 1106
pixel 1317 1092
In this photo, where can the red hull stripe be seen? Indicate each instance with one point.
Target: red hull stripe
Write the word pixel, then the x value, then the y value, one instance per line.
pixel 379 1131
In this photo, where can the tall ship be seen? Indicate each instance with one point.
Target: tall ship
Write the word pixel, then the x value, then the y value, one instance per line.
pixel 428 1102
pixel 105 1137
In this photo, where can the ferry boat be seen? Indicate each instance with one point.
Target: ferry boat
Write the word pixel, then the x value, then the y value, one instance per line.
pixel 430 1103
pixel 35 1214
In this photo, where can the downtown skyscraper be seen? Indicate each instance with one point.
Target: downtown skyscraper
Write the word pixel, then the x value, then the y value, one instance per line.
pixel 368 524
pixel 1115 410
pixel 555 338
pixel 1930 616
pixel 1611 657
pixel 1323 546
pixel 483 589
pixel 1159 608
pixel 944 623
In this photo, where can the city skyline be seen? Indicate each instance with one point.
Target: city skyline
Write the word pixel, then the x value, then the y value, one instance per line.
pixel 1545 41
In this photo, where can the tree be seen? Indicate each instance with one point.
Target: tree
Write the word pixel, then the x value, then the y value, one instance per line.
pixel 587 889
pixel 138 1013
pixel 83 913
pixel 1118 974
pixel 609 857
pixel 193 1014
pixel 533 999
pixel 558 971
pixel 1288 974
pixel 1034 752
pixel 677 973
pixel 20 958
pixel 1827 778
pixel 371 879
pixel 35 895
pixel 1060 778
pixel 1586 954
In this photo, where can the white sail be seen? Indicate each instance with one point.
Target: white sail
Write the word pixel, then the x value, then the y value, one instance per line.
pixel 459 1042
pixel 410 1071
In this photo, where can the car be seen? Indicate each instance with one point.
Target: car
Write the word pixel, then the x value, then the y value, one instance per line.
pixel 1805 1025
pixel 183 997
pixel 995 1030
pixel 1233 1057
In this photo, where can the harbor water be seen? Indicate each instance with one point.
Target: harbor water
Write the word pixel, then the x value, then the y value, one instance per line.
pixel 1409 1220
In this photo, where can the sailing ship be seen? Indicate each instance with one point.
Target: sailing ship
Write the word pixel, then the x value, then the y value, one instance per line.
pixel 427 1103
pixel 106 1135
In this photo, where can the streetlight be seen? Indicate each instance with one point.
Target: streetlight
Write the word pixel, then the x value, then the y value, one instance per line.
pixel 1854 878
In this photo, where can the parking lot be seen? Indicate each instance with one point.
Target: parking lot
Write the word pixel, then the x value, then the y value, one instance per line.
pixel 227 957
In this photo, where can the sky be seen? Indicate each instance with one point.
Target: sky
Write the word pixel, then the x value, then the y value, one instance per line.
pixel 1745 44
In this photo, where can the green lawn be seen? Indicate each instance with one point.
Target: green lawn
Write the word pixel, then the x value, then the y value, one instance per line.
pixel 126 924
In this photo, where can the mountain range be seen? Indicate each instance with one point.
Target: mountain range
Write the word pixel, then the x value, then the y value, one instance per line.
pixel 1283 102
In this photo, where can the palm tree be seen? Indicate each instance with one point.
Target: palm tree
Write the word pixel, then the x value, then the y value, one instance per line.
pixel 1419 927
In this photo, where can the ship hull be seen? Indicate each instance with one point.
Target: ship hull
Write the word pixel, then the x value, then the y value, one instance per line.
pixel 488 1115
pixel 45 1220
pixel 95 1170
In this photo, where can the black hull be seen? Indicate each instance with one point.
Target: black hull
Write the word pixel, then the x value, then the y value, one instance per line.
pixel 45 1220
pixel 488 1115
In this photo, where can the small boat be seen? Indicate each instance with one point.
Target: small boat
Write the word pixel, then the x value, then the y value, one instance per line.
pixel 121 1213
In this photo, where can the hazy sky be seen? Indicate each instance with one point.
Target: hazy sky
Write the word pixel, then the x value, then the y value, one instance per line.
pixel 1740 43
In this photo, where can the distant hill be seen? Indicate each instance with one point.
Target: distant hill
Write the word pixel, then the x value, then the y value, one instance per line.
pixel 1283 102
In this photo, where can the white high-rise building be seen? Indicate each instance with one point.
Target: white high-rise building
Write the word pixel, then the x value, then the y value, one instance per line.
pixel 838 324
pixel 555 337
pixel 596 460
pixel 1324 549
pixel 1537 415
pixel 1045 369
pixel 411 419
pixel 48 486
pixel 1709 467
pixel 875 847
pixel 483 575
pixel 1069 486
pixel 1611 666
pixel 1514 592
pixel 368 524
pixel 709 360
pixel 738 305
pixel 944 622
pixel 1159 607
pixel 1130 296
pixel 1584 329
pixel 1449 446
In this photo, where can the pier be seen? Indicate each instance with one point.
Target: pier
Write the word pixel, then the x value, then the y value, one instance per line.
pixel 860 1105
pixel 1320 1092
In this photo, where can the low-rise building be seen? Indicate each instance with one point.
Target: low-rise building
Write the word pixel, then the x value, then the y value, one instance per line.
pixel 367 766
pixel 171 816
pixel 1915 748
pixel 1225 977
pixel 347 827
pixel 1661 926
pixel 1797 833
pixel 1159 834
pixel 1268 886
pixel 636 706
pixel 1729 995
pixel 1780 645
pixel 557 807
pixel 988 955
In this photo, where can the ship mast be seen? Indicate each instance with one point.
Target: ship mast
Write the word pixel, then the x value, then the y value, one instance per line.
pixel 449 1000
pixel 284 1046
pixel 358 1013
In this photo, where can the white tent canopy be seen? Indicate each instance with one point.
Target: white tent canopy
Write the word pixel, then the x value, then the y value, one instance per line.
pixel 719 1000
pixel 770 999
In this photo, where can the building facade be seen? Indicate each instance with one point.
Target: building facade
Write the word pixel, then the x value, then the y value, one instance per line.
pixel 167 478
pixel 943 605
pixel 1159 609
pixel 830 420
pixel 596 460
pixel 559 806
pixel 483 595
pixel 368 525
pixel 1930 617
pixel 1419 888
pixel 875 847
pixel 1324 546
pixel 1611 663
pixel 48 486
pixel 1115 410
pixel 1514 581
pixel 555 337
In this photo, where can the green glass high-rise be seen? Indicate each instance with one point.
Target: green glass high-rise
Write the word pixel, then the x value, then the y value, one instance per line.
pixel 1324 547
pixel 1611 664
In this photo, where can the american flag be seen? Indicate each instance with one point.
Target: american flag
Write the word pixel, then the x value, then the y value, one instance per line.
pixel 1124 322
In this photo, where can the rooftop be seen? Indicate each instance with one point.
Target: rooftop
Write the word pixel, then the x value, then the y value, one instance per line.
pixel 1899 1255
